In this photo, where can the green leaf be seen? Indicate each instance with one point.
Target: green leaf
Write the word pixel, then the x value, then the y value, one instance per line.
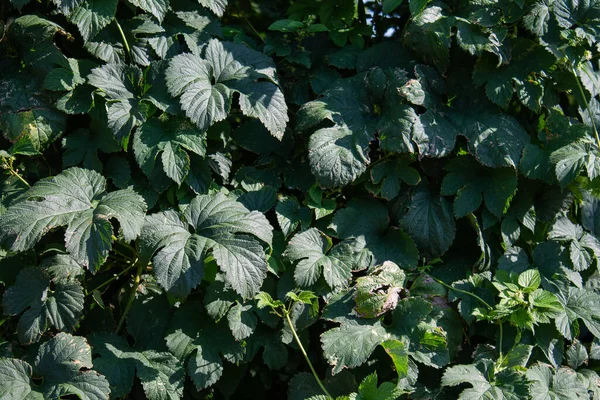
pixel 178 260
pixel 193 336
pixel 91 16
pixel 82 147
pixel 577 355
pixel 221 226
pixel 583 14
pixel 59 361
pixel 367 223
pixel 50 296
pixel 429 36
pixel 286 25
pixel 322 206
pixel 242 321
pixel 391 5
pixel 495 139
pixel 16 379
pixel 368 389
pixel 391 174
pixel 530 280
pixel 77 199
pixel 216 6
pixel 357 106
pixel 290 214
pixel 26 116
pixel 429 221
pixel 206 86
pixel 113 81
pixel 170 140
pixel 583 246
pixel 507 384
pixel 473 184
pixel 536 21
pixel 433 131
pixel 350 345
pixel 161 374
pixel 570 160
pixel 562 385
pixel 149 312
pixel 476 40
pixel 422 330
pixel 590 214
pixel 337 155
pixel 464 374
pixel 530 59
pixel 116 83
pixel 64 79
pixel 517 356
pixel 399 354
pixel 314 256
pixel 158 8
pixel 578 304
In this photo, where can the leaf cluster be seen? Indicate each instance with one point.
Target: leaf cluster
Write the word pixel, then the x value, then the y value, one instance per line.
pixel 335 199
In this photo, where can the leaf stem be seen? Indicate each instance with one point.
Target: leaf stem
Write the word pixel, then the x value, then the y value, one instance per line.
pixel 463 292
pixel 7 163
pixel 587 106
pixel 291 325
pixel 125 245
pixel 136 283
pixel 125 42
pixel 480 300
pixel 254 30
pixel 16 175
pixel 500 342
pixel 116 276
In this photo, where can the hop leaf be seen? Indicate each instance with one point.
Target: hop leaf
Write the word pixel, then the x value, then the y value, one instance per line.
pixel 59 307
pixel 312 250
pixel 366 223
pixel 161 374
pixel 222 227
pixel 206 86
pixel 58 362
pixel 77 199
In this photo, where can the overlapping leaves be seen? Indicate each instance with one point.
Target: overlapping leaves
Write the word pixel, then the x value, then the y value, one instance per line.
pixel 431 170
pixel 77 199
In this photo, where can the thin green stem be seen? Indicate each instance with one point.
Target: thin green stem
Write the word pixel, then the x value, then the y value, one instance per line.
pixel 116 276
pixel 125 245
pixel 500 343
pixel 463 292
pixel 254 30
pixel 136 283
pixel 16 174
pixel 7 163
pixel 125 42
pixel 482 301
pixel 289 321
pixel 587 106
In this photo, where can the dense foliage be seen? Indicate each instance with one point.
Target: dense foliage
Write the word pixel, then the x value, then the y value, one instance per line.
pixel 344 199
